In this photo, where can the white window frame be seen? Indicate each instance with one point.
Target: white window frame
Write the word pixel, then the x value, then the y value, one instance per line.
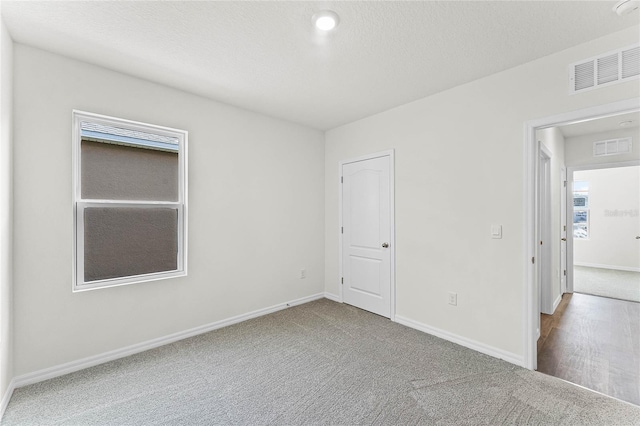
pixel 80 204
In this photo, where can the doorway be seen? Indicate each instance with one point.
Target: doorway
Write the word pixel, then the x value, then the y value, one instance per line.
pixel 531 306
pixel 589 339
pixel 367 243
pixel 606 231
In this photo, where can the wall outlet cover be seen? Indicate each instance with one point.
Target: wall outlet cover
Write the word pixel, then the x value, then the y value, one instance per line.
pixel 453 299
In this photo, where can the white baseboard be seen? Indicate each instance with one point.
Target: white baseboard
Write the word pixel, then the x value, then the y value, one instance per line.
pixel 598 265
pixel 556 303
pixel 70 367
pixel 6 398
pixel 463 341
pixel 332 296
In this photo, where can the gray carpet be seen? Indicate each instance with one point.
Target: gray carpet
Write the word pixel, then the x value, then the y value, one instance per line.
pixel 612 283
pixel 319 363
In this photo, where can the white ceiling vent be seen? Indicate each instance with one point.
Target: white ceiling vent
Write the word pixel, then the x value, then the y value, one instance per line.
pixel 612 147
pixel 604 70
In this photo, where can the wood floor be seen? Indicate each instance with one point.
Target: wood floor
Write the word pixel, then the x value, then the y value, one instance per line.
pixel 594 342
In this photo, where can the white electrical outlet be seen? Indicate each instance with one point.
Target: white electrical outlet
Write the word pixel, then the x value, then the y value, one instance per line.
pixel 453 299
pixel 303 273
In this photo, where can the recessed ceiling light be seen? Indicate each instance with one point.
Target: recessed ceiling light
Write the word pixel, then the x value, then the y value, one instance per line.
pixel 626 123
pixel 625 7
pixel 326 20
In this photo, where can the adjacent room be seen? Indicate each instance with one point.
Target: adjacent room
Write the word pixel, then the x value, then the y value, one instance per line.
pixel 238 212
pixel 606 253
pixel 590 335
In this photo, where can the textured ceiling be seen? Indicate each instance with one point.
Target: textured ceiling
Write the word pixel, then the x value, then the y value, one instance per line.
pixel 601 125
pixel 266 56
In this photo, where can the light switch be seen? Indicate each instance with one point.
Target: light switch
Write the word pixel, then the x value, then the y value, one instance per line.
pixel 496 231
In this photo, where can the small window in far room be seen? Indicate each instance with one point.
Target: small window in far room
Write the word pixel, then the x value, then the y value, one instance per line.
pixel 581 210
pixel 130 205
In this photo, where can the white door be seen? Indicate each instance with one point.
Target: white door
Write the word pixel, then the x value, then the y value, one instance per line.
pixel 563 232
pixel 546 300
pixel 367 234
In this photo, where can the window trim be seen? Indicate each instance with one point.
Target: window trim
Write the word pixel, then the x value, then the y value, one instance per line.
pixel 79 204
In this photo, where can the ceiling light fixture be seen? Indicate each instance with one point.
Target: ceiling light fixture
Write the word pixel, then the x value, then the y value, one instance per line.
pixel 325 20
pixel 625 7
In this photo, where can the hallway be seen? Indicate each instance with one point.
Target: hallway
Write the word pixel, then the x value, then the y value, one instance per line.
pixel 593 342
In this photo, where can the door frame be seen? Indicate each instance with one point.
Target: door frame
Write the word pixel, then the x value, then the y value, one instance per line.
pixel 530 309
pixel 564 230
pixel 392 240
pixel 570 172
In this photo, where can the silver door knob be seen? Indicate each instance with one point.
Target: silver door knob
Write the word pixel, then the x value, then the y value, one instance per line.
pixel 385 245
pixel 563 239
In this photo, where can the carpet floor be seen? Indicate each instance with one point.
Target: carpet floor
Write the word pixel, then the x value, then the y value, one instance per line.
pixel 318 363
pixel 612 283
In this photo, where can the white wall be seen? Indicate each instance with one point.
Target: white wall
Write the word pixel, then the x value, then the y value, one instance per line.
pixel 6 211
pixel 553 139
pixel 459 169
pixel 614 219
pixel 579 149
pixel 255 213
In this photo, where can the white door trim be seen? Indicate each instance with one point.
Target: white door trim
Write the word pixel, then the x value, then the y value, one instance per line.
pixel 564 222
pixel 529 310
pixel 392 243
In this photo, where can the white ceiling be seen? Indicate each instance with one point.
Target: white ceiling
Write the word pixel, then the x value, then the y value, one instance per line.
pixel 601 125
pixel 266 56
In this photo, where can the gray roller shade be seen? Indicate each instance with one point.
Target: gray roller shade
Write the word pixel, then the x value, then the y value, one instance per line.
pixel 128 241
pixel 120 172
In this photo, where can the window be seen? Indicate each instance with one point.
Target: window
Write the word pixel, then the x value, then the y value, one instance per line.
pixel 130 201
pixel 581 210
